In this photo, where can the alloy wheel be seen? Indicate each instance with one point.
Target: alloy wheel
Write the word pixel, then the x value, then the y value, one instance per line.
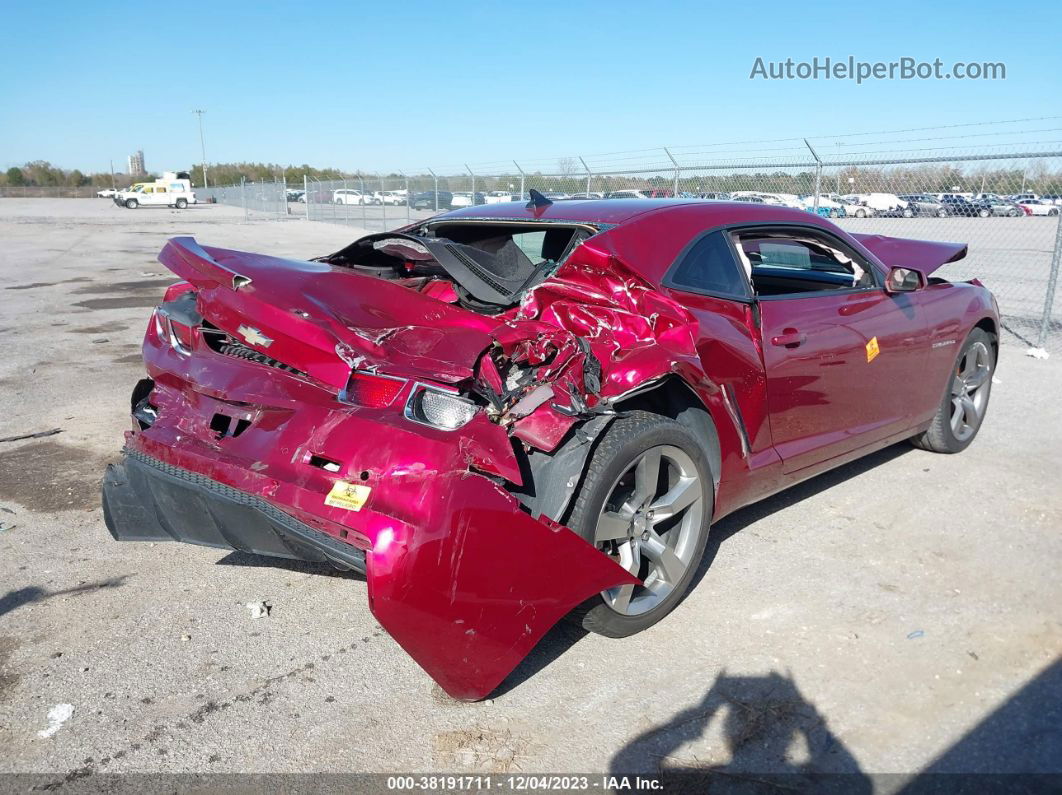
pixel 649 525
pixel 969 391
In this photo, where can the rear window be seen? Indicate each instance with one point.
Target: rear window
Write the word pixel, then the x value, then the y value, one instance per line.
pixel 709 267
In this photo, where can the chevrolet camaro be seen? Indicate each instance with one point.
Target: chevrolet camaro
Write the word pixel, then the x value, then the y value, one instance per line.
pixel 507 414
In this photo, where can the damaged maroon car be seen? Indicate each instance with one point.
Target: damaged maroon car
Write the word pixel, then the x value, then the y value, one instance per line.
pixel 503 415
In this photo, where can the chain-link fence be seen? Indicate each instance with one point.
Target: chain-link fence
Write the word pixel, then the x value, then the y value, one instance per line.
pixel 1006 205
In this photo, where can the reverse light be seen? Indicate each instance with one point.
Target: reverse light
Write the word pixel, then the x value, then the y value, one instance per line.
pixel 439 409
pixel 373 391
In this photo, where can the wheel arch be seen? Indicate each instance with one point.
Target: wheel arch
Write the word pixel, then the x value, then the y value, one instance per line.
pixel 672 397
pixel 988 325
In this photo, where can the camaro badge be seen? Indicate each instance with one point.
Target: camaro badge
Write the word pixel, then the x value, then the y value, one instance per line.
pixel 349 496
pixel 872 349
pixel 254 336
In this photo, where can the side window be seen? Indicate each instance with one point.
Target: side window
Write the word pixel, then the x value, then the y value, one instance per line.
pixel 160 189
pixel 149 190
pixel 709 266
pixel 798 261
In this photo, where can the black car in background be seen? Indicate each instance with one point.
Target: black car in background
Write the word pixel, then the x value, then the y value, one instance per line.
pixel 432 200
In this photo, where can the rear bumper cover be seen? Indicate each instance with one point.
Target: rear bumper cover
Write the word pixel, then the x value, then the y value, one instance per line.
pixel 148 500
pixel 467 597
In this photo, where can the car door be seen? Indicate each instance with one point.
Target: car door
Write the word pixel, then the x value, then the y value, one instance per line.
pixel 841 356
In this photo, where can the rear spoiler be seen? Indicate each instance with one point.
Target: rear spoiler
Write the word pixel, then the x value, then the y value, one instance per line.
pixel 923 255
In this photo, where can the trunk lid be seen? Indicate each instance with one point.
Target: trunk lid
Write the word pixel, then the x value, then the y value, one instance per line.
pixel 325 320
pixel 926 256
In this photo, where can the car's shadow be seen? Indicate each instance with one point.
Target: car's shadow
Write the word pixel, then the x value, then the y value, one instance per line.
pixel 565 635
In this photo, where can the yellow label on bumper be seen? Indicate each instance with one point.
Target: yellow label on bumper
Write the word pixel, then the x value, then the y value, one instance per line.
pixel 349 496
pixel 872 349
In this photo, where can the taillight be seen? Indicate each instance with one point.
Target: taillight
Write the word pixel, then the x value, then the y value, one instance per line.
pixel 373 391
pixel 176 290
pixel 182 335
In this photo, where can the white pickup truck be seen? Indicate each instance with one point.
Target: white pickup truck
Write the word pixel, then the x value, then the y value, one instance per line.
pixel 173 190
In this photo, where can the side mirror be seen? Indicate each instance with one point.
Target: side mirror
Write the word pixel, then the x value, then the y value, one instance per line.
pixel 904 280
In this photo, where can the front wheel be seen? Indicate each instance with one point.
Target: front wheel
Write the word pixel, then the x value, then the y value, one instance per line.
pixel 1052 212
pixel 942 213
pixel 132 204
pixel 646 502
pixel 962 410
pixel 181 204
pixel 860 213
pixel 908 212
pixel 984 213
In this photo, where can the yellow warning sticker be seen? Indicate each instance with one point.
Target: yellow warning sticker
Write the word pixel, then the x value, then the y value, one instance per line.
pixel 349 496
pixel 872 349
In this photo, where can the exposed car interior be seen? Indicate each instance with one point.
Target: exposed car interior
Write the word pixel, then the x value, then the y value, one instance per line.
pixel 782 262
pixel 490 264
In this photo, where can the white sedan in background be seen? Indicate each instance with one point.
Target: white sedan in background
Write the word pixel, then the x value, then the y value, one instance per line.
pixel 350 196
pixel 1039 207
pixel 106 193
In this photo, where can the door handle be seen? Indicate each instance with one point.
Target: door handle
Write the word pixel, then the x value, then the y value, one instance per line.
pixel 789 338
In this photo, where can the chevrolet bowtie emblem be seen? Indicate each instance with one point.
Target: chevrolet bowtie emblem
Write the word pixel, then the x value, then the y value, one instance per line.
pixel 253 336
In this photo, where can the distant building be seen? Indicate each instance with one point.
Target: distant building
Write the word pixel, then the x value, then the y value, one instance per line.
pixel 136 164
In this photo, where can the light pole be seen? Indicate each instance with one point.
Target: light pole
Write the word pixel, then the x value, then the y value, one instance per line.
pixel 202 146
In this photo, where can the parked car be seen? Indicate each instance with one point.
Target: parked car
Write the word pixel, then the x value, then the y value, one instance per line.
pixel 1000 207
pixel 106 193
pixel 715 196
pixel 1052 198
pixel 352 196
pixel 590 195
pixel 392 197
pixel 293 195
pixel 430 200
pixel 856 209
pixel 828 208
pixel 886 205
pixel 960 206
pixel 465 199
pixel 496 196
pixel 1019 197
pixel 1039 207
pixel 430 408
pixel 627 194
pixel 924 204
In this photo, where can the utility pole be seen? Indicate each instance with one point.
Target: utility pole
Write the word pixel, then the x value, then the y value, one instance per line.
pixel 114 185
pixel 202 146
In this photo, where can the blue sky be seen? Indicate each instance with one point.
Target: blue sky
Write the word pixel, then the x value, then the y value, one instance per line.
pixel 380 85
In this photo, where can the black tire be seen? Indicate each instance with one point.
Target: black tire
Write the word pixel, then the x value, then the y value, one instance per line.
pixel 908 212
pixel 1052 212
pixel 984 213
pixel 939 437
pixel 619 447
pixel 181 204
pixel 942 213
pixel 860 213
pixel 132 204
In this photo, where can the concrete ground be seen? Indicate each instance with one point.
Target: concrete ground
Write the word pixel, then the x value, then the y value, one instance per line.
pixel 901 614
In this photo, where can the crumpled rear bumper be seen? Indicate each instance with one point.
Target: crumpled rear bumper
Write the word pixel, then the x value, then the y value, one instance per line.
pixel 467 597
pixel 147 500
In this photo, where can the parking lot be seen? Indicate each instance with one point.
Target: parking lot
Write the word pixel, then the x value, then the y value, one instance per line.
pixel 899 615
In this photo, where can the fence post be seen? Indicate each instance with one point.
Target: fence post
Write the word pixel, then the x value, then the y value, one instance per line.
pixel 521 178
pixel 1052 284
pixel 818 173
pixel 283 194
pixel 436 178
pixel 473 185
pixel 306 194
pixel 383 205
pixel 408 197
pixel 674 162
pixel 589 176
pixel 243 195
pixel 364 210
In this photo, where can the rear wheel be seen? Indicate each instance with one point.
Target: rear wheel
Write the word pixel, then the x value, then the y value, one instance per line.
pixel 860 213
pixel 181 204
pixel 646 502
pixel 965 402
pixel 984 213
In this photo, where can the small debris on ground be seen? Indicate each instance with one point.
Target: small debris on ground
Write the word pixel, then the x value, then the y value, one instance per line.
pixel 918 633
pixel 57 716
pixel 259 609
pixel 1037 353
pixel 7 526
pixel 37 435
pixel 186 638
